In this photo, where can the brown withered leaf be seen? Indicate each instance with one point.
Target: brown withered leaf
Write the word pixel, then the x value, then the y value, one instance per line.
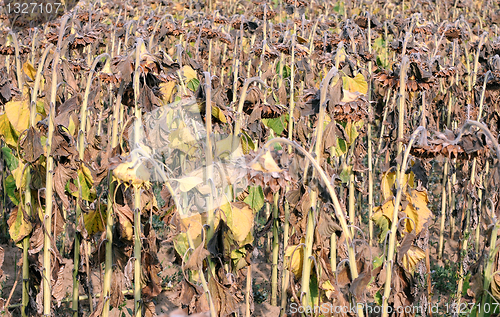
pixel 36 240
pixel 63 143
pixel 98 310
pixel 358 286
pixel 64 171
pixel 194 297
pixel 405 245
pixel 149 309
pixel 326 225
pixel 122 252
pixel 225 302
pixel 330 137
pixel 471 143
pixel 195 260
pixel 150 268
pixel 31 144
pixel 117 285
pixel 58 292
pixel 69 76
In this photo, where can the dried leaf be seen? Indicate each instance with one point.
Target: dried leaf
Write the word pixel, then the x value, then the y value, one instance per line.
pixel 117 284
pixel 31 144
pixel 195 260
pixel 266 164
pixel 412 257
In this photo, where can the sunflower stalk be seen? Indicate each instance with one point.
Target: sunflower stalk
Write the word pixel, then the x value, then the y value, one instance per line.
pixel 27 195
pixel 286 225
pixel 137 190
pixel 369 140
pixel 46 273
pixel 239 111
pixel 108 262
pixel 276 247
pixel 81 153
pixel 339 213
pixel 394 222
pixel 19 70
pixel 488 272
pixel 311 216
pixel 46 251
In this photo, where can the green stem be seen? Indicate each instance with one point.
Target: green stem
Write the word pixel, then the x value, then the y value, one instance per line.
pixel 83 109
pixel 46 274
pixel 108 264
pixel 286 273
pixel 369 141
pixel 27 195
pixel 443 210
pixel 401 105
pixel 208 151
pixel 26 245
pixel 137 190
pixel 274 273
pixel 352 193
pixel 19 71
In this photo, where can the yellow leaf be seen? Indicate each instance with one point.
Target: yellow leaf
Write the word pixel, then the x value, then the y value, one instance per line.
pixel 7 131
pixel 387 183
pixel 388 180
pixel 217 113
pixel 135 174
pixel 239 218
pixel 20 176
pixel 356 84
pixel 351 129
pixel 167 90
pixel 242 222
pixel 387 209
pixel 126 229
pixel 94 221
pixel 19 226
pixel 295 259
pixel 329 289
pixel 29 70
pixel 412 257
pixel 417 210
pixel 223 148
pixel 18 113
pixel 71 126
pixel 382 221
pixel 189 73
pixel 266 164
pixel 193 225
